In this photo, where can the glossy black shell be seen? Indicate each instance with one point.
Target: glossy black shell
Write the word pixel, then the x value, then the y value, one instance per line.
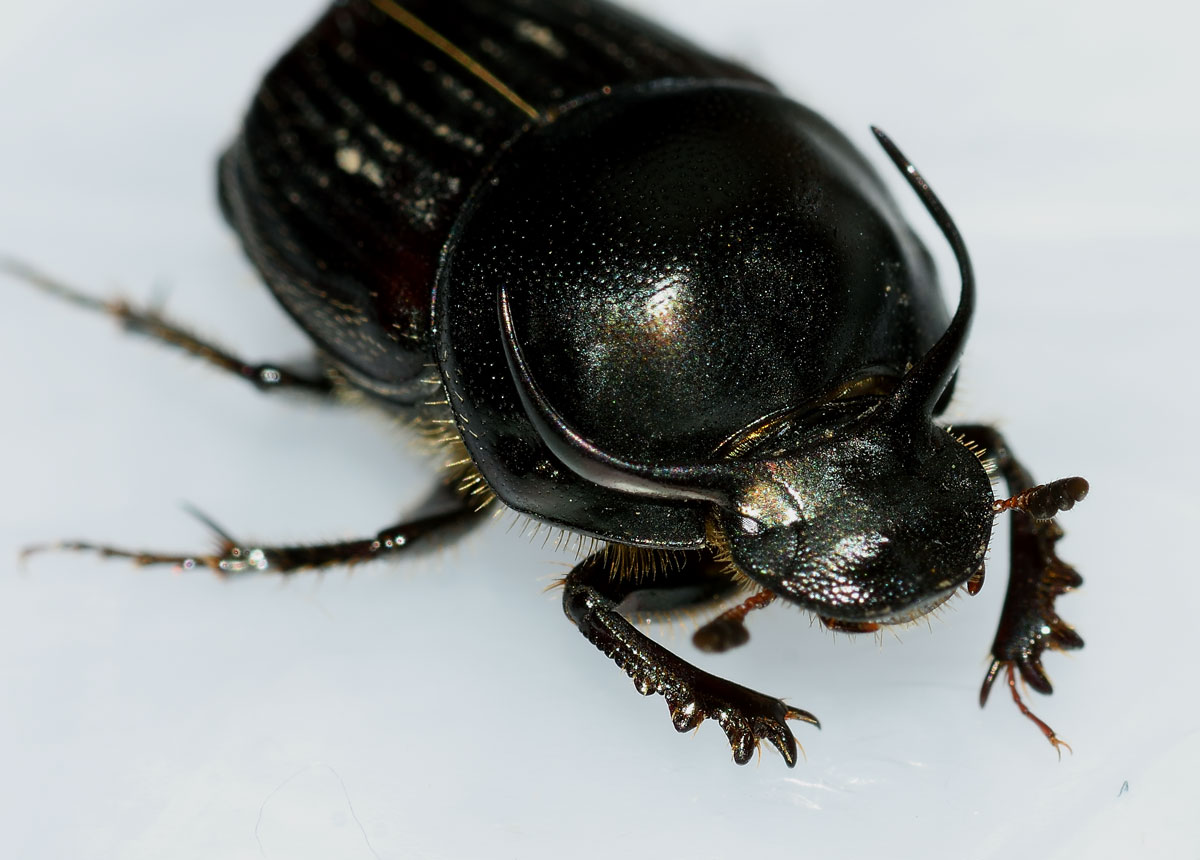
pixel 685 250
pixel 364 142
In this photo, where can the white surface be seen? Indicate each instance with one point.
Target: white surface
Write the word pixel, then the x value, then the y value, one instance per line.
pixel 445 708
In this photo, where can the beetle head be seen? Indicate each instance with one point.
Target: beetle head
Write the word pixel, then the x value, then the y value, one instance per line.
pixel 862 520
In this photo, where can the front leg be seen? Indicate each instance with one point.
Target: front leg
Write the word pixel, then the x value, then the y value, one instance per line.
pixel 1029 623
pixel 592 592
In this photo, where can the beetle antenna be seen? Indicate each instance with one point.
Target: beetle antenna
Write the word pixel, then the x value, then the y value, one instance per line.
pixel 925 382
pixel 696 483
pixel 1045 501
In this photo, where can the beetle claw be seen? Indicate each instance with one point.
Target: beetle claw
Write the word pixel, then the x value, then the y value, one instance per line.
pixel 741 737
pixel 782 739
pixel 747 724
pixel 685 715
pixel 1026 668
pixel 803 716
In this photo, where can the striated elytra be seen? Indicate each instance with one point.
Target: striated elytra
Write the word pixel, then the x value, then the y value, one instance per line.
pixel 631 290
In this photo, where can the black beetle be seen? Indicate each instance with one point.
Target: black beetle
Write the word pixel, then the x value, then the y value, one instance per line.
pixel 632 291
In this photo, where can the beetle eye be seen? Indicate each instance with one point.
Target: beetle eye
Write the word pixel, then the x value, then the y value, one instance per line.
pixel 751 526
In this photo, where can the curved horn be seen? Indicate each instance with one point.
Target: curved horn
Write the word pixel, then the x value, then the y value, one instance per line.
pixel 693 483
pixel 921 387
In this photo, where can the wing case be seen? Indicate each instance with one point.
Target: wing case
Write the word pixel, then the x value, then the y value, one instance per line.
pixel 366 138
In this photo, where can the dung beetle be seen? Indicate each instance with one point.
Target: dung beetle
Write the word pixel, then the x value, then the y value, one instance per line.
pixel 630 290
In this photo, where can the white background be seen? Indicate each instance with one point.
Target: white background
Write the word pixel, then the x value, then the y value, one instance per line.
pixel 445 708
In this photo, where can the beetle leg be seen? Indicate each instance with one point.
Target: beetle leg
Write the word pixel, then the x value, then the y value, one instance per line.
pixel 445 514
pixel 148 321
pixel 590 598
pixel 1029 623
pixel 728 630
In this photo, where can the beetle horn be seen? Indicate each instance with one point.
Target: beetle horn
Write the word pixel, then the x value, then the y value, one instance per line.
pixel 692 482
pixel 928 378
